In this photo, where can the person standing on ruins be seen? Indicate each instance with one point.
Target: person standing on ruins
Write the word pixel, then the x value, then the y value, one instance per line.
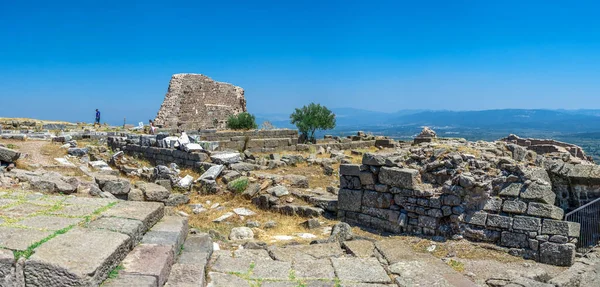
pixel 97 117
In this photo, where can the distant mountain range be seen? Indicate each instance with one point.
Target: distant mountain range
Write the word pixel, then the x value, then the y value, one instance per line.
pixel 563 121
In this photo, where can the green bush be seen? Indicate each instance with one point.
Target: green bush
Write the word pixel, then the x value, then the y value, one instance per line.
pixel 238 185
pixel 242 121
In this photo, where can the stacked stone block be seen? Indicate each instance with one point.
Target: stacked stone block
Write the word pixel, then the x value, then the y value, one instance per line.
pixel 522 217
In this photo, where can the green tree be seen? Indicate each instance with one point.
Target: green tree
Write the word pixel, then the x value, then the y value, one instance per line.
pixel 313 117
pixel 242 121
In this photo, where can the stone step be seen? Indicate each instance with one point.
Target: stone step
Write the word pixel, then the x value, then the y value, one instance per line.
pixel 79 242
pixel 150 262
pixel 190 267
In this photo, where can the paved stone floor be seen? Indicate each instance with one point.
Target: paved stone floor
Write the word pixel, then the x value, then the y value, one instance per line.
pixel 360 264
pixel 66 240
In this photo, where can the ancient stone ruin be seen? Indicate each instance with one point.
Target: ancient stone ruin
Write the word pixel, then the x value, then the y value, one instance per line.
pixel 195 102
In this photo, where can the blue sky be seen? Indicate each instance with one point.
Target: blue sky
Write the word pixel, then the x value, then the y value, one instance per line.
pixel 63 59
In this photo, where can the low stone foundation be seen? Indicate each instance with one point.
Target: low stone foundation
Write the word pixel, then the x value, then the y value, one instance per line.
pixel 381 195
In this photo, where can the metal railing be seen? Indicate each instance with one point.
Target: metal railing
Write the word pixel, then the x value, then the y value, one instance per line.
pixel 588 216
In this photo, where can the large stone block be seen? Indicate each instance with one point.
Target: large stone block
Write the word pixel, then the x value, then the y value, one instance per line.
pixel 527 223
pixel 350 200
pixel 377 199
pixel 514 206
pixel 511 190
pixel 477 218
pixel 539 192
pixel 557 254
pixel 149 260
pixel 545 210
pixel 516 240
pixel 80 257
pixel 113 184
pixel 558 227
pixel 350 169
pixel 9 155
pixel 428 222
pixel 500 221
pixel 399 177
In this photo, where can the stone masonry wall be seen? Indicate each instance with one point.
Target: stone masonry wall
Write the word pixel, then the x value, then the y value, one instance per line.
pixel 254 140
pixel 195 101
pixel 522 218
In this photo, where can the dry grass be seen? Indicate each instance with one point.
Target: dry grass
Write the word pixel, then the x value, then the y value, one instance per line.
pixel 314 174
pixel 286 225
pixel 52 150
pixel 461 249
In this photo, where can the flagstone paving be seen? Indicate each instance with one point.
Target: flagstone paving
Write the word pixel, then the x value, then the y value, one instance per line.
pixel 70 241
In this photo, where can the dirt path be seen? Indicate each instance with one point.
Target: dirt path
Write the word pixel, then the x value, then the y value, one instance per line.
pixel 35 152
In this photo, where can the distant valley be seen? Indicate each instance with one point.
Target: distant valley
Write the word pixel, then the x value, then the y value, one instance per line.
pixel 580 127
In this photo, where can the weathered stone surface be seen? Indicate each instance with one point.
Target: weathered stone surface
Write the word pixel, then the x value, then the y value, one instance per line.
pixel 170 231
pixel 213 172
pixel 184 275
pixel 539 192
pixel 149 260
pixel 557 254
pixel 514 206
pixel 271 269
pixel 8 272
pixel 135 195
pixel 113 184
pixel 147 212
pixel 422 273
pixel 241 233
pixel 226 157
pixel 359 248
pixel 377 199
pixel 512 190
pixel 127 280
pixel 314 269
pixel 80 257
pixel 19 238
pixel 494 220
pixel 557 227
pixel 399 177
pixel 154 192
pixel 132 228
pixel 527 223
pixel 545 210
pixel 364 270
pixel 350 200
pixel 516 240
pixel 8 155
pixel 477 218
pixel 195 101
pixel 493 204
pixel 350 169
pixel 278 191
pixel 220 279
pixel 51 223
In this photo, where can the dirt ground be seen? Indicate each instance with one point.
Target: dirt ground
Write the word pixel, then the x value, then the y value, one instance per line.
pixel 40 153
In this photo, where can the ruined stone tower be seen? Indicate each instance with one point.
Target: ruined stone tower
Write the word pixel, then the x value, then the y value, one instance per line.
pixel 195 101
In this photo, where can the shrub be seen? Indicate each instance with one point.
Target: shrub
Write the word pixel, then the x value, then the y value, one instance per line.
pixel 238 185
pixel 242 121
pixel 313 117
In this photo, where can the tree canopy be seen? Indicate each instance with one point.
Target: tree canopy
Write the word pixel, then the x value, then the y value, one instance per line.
pixel 311 118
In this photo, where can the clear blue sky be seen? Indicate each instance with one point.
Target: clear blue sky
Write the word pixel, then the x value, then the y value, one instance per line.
pixel 63 59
